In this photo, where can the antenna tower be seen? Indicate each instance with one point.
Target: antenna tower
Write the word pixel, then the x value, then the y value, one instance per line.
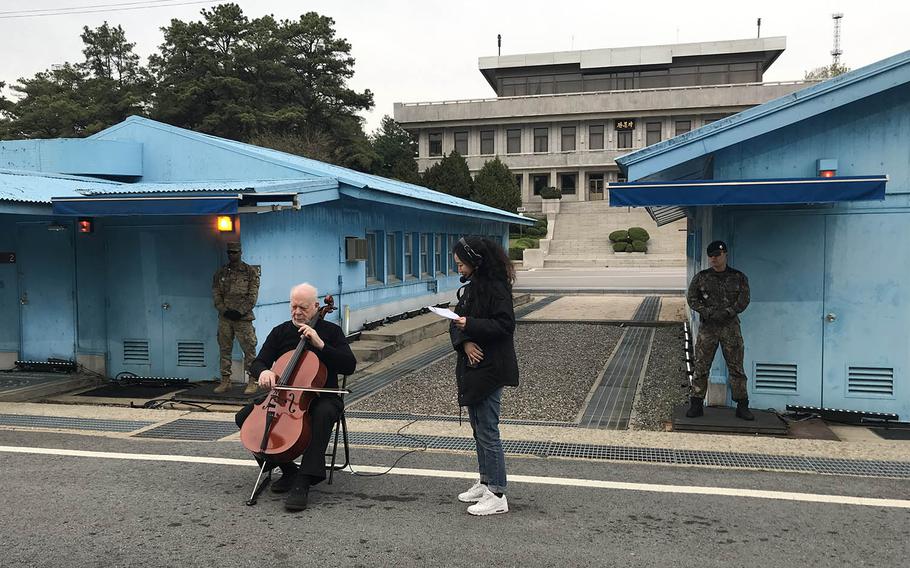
pixel 836 52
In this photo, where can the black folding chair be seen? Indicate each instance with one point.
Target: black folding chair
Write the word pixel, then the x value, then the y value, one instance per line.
pixel 341 427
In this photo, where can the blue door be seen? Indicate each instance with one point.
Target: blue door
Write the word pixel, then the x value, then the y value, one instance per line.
pixel 867 313
pixel 782 327
pixel 46 291
pixel 161 320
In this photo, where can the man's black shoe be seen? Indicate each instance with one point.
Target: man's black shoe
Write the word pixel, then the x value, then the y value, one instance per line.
pixel 742 410
pixel 288 475
pixel 297 498
pixel 696 407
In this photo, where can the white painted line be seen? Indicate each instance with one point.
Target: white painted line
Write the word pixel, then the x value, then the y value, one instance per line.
pixel 531 479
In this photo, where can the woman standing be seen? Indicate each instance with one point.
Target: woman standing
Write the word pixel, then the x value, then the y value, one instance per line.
pixel 483 337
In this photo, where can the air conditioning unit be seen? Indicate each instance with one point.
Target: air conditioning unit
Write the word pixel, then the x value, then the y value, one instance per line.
pixel 355 249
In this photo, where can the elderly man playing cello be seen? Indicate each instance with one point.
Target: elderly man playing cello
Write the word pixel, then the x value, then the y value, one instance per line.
pixel 328 342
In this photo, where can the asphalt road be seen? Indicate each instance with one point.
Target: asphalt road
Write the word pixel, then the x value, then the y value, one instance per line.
pixel 58 510
pixel 601 279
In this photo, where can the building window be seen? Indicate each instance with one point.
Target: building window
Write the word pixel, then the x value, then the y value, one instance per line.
pixel 683 126
pixel 424 254
pixel 486 142
pixel 567 183
pixel 623 139
pixel 409 271
pixel 453 268
pixel 461 142
pixel 372 256
pixel 710 120
pixel 540 139
pixel 518 180
pixel 391 263
pixel 568 139
pixel 513 141
pixel 596 186
pixel 436 143
pixel 539 182
pixel 439 246
pixel 596 137
pixel 652 133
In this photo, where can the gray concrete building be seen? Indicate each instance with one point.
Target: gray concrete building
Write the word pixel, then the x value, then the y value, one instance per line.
pixel 561 119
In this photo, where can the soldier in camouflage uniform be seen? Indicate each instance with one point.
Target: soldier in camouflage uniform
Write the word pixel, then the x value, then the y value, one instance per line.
pixel 719 294
pixel 235 289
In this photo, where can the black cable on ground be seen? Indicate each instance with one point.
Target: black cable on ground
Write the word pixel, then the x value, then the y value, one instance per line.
pixel 401 457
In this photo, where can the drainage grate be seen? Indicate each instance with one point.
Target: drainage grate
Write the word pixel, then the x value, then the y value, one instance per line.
pixel 648 310
pixel 98 424
pixel 796 464
pixel 371 383
pixel 534 306
pixel 185 429
pixel 442 418
pixel 611 404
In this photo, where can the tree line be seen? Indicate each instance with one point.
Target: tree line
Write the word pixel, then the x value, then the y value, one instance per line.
pixel 281 84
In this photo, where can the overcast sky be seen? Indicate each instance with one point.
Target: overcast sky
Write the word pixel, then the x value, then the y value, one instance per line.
pixel 427 50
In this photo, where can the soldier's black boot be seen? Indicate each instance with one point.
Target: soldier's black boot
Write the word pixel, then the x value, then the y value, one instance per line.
pixel 742 410
pixel 696 407
pixel 297 498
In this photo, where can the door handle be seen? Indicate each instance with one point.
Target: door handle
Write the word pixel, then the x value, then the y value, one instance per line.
pixel 166 306
pixel 24 299
pixel 831 317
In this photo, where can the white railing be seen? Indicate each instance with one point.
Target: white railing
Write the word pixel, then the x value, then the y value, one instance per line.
pixel 614 92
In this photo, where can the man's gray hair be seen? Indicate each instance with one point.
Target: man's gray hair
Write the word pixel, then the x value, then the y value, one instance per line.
pixel 305 288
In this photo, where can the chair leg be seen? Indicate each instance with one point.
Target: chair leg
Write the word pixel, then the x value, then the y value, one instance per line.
pixel 341 427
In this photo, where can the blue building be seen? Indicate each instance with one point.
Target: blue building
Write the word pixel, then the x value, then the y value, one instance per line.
pixel 812 193
pixel 109 244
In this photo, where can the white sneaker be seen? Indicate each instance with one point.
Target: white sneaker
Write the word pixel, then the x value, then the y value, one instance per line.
pixel 489 504
pixel 473 494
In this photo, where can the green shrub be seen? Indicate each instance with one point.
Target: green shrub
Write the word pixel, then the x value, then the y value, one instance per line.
pixel 516 253
pixel 536 231
pixel 620 247
pixel 541 223
pixel 639 246
pixel 550 193
pixel 525 243
pixel 621 236
pixel 639 234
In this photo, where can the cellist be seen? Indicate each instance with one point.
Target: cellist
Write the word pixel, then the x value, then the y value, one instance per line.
pixel 328 342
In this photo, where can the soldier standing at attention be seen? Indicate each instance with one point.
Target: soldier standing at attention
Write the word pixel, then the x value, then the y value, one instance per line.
pixel 719 294
pixel 235 289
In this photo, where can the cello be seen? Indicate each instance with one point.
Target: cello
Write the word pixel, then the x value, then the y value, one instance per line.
pixel 278 429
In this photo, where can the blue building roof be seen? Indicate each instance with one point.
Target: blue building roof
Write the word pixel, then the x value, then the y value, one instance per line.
pixel 356 184
pixel 684 157
pixel 38 188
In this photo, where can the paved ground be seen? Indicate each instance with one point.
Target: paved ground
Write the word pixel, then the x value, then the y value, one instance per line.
pixel 117 508
pixel 599 280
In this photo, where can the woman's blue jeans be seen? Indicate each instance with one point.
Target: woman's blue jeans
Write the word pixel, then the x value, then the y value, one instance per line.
pixel 491 459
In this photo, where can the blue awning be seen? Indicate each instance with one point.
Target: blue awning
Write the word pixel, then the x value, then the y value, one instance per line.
pixel 96 206
pixel 747 192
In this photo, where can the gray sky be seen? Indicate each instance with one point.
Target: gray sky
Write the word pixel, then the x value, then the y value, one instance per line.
pixel 427 50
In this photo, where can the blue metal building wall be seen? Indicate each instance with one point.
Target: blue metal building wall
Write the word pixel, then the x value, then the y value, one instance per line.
pixel 846 259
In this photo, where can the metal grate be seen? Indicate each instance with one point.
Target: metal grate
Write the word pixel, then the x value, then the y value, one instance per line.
pixel 870 381
pixel 775 377
pixel 61 422
pixel 371 383
pixel 831 466
pixel 136 351
pixel 534 306
pixel 185 429
pixel 190 354
pixel 369 415
pixel 648 310
pixel 611 403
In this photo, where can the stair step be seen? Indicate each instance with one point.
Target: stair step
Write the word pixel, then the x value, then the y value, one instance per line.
pixel 366 350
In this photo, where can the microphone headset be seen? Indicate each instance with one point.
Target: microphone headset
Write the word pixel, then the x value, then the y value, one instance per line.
pixel 473 258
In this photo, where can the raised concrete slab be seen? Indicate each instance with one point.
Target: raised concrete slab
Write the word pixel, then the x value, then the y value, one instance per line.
pixel 589 308
pixel 371 351
pixel 672 309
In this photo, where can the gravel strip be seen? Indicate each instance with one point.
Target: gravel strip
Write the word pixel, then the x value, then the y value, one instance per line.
pixel 558 365
pixel 661 390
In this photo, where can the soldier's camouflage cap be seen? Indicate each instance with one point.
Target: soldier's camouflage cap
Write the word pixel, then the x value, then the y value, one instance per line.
pixel 716 247
pixel 233 246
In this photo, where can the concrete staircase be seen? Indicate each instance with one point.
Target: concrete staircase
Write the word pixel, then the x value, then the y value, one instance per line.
pixel 580 238
pixel 379 343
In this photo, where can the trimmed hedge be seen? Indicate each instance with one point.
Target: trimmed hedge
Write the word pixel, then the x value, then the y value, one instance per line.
pixel 639 246
pixel 639 234
pixel 620 247
pixel 620 236
pixel 516 253
pixel 550 193
pixel 632 240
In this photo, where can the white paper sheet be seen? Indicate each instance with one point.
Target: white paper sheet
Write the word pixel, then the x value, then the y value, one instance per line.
pixel 444 312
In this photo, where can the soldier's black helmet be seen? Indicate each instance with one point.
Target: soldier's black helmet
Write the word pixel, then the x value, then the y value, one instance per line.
pixel 716 248
pixel 233 246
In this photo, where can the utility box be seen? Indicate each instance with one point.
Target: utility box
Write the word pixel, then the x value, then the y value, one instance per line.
pixel 355 249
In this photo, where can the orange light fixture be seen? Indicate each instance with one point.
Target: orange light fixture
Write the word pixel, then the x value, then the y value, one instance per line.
pixel 225 223
pixel 85 226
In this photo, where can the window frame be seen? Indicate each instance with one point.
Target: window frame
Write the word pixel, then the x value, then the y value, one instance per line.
pixel 541 134
pixel 564 136
pixel 510 137
pixel 489 139
pixel 592 134
pixel 465 141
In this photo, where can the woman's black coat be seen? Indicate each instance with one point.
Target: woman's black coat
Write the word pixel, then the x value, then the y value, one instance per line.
pixel 491 325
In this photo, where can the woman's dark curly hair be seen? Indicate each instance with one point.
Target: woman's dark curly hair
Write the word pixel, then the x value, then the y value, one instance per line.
pixel 488 259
